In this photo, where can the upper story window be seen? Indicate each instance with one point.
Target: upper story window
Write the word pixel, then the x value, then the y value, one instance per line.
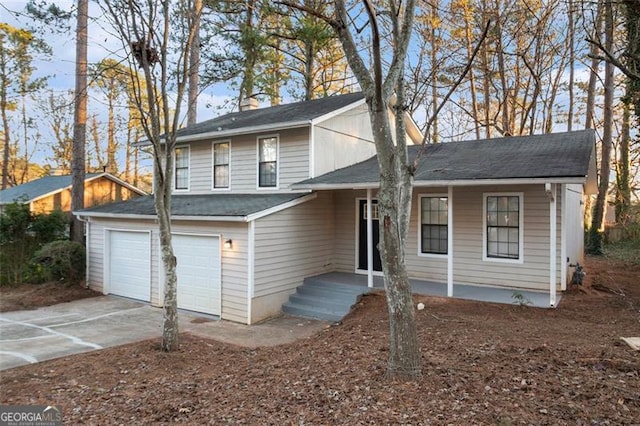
pixel 268 162
pixel 503 220
pixel 434 224
pixel 221 165
pixel 181 168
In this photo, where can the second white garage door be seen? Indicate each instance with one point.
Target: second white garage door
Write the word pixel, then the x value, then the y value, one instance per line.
pixel 198 272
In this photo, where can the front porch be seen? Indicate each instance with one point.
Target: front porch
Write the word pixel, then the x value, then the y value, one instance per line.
pixel 330 296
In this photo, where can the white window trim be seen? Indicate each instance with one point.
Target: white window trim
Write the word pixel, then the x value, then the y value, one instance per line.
pixel 175 169
pixel 485 258
pixel 268 188
pixel 213 165
pixel 419 241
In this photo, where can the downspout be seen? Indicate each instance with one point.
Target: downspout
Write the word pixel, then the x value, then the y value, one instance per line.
pixel 250 268
pixel 369 241
pixel 312 148
pixel 450 241
pixel 86 245
pixel 550 190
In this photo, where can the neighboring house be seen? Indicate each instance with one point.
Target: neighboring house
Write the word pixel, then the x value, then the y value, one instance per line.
pixel 264 198
pixel 54 192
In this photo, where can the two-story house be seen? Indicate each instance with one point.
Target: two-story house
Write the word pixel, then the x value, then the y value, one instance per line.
pixel 264 198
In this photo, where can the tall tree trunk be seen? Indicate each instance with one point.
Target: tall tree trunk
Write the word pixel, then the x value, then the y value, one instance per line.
pixel 595 236
pixel 572 60
pixel 434 68
pixel 4 105
pixel 486 79
pixel 194 65
pixel 79 121
pixel 505 100
pixel 472 80
pixel 111 166
pixel 595 70
pixel 623 189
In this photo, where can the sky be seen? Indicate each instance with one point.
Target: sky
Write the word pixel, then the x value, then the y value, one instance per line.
pixel 101 44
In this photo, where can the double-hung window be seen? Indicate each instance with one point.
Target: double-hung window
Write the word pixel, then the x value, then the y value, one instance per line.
pixel 181 170
pixel 434 226
pixel 268 162
pixel 503 226
pixel 221 165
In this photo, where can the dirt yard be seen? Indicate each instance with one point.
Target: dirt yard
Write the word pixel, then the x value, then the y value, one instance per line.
pixel 30 296
pixel 482 364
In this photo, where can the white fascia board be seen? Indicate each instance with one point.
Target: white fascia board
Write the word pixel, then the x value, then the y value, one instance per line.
pixel 337 112
pixel 413 130
pixel 119 181
pixel 280 207
pixel 326 186
pixel 438 183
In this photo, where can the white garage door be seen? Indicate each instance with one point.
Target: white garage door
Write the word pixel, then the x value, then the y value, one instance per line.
pixel 129 264
pixel 198 272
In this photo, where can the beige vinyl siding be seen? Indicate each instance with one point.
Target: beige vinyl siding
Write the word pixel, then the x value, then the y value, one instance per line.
pixel 96 250
pixel 293 244
pixel 469 268
pixel 574 211
pixel 200 171
pixel 234 261
pixel 342 140
pixel 293 161
pixel 345 229
pixel 422 266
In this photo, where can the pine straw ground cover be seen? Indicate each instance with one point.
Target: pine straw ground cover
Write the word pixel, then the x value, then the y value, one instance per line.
pixel 483 364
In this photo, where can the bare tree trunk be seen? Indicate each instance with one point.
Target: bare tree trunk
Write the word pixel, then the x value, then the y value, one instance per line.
pixel 623 189
pixel 111 166
pixel 434 68
pixel 194 65
pixel 595 237
pixel 472 80
pixel 486 78
pixel 595 67
pixel 80 121
pixel 4 105
pixel 572 60
pixel 505 100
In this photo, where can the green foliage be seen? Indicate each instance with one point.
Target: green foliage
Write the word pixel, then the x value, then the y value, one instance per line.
pixel 21 235
pixel 627 251
pixel 60 261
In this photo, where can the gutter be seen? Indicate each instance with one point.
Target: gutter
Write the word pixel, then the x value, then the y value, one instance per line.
pixel 437 183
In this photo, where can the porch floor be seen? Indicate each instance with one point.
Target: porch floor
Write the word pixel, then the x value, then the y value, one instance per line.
pixel 537 299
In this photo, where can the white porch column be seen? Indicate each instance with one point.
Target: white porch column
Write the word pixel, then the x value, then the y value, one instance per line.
pixel 550 189
pixel 450 241
pixel 369 241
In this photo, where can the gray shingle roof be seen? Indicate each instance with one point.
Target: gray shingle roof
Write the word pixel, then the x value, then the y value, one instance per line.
pixel 539 156
pixel 272 116
pixel 37 188
pixel 218 205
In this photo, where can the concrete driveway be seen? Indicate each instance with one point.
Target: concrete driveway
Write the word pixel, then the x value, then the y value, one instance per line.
pixel 66 329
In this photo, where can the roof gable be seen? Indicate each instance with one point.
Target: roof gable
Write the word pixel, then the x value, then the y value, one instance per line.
pixel 39 188
pixel 557 155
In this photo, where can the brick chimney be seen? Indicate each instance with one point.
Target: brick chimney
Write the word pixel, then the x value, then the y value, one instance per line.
pixel 248 104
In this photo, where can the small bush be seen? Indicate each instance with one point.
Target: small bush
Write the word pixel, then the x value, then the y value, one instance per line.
pixel 60 261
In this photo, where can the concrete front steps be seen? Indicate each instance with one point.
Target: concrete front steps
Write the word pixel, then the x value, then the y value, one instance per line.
pixel 323 299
